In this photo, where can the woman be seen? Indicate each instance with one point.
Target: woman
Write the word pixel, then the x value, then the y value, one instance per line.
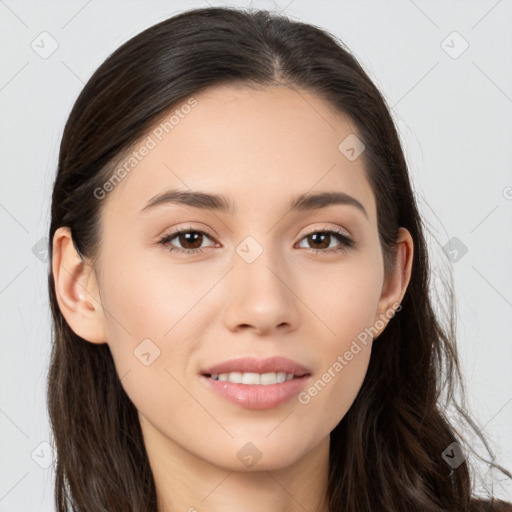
pixel 239 285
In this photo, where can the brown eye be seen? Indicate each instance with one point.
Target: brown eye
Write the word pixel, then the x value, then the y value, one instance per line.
pixel 320 241
pixel 191 240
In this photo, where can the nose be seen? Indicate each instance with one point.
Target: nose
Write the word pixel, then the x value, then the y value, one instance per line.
pixel 261 297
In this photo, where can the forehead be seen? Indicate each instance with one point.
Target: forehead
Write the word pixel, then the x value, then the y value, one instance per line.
pixel 257 147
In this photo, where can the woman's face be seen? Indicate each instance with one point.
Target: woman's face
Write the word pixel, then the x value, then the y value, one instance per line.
pixel 257 290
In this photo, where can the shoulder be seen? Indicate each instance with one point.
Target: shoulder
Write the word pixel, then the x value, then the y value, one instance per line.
pixel 482 505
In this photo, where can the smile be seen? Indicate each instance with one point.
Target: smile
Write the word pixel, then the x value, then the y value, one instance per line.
pixel 251 378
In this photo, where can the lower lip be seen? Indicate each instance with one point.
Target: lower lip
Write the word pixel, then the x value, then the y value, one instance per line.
pixel 257 396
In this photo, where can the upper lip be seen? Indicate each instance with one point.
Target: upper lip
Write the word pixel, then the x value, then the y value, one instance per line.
pixel 255 365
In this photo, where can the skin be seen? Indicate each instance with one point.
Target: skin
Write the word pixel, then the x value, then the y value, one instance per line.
pixel 261 149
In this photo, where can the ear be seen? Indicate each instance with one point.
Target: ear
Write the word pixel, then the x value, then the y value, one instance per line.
pixel 395 285
pixel 76 289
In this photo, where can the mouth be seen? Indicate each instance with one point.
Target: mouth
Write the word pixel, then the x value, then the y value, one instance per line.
pixel 252 378
pixel 256 383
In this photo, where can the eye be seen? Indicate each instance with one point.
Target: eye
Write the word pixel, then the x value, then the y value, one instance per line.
pixel 186 237
pixel 324 238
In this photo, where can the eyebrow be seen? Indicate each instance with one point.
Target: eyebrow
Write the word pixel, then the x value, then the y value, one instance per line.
pixel 220 203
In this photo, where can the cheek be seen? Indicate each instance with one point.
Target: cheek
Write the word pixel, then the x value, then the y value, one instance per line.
pixel 345 300
pixel 146 319
pixel 148 300
pixel 152 324
pixel 339 378
pixel 347 307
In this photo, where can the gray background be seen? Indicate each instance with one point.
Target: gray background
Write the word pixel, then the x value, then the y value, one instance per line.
pixel 454 112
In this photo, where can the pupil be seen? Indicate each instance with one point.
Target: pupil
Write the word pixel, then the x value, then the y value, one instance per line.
pixel 189 236
pixel 323 235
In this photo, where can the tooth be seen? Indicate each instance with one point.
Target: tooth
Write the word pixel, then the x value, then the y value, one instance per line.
pixel 268 378
pixel 235 377
pixel 250 378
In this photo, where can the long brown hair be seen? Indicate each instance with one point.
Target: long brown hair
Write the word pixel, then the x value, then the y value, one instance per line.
pixel 386 453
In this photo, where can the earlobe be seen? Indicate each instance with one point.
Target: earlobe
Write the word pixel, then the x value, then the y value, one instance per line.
pixel 76 289
pixel 396 284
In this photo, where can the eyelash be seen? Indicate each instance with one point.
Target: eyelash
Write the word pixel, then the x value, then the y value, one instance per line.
pixel 345 241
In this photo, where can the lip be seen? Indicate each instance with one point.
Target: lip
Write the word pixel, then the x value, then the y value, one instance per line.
pixel 255 365
pixel 257 396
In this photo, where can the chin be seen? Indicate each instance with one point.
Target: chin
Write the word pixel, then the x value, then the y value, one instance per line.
pixel 260 454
